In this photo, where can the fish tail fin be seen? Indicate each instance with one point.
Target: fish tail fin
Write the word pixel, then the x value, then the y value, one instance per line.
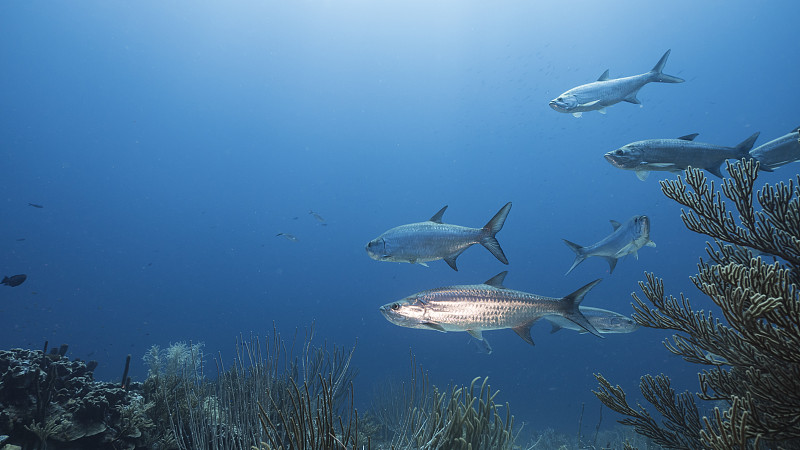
pixel 491 229
pixel 571 311
pixel 579 254
pixel 658 71
pixel 743 149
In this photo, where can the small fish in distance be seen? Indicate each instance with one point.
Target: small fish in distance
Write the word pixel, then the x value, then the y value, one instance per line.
pixel 625 240
pixel 606 322
pixel 481 307
pixel 604 92
pixel 35 205
pixel 289 237
pixel 778 152
pixel 14 280
pixel 317 217
pixel 675 155
pixel 421 242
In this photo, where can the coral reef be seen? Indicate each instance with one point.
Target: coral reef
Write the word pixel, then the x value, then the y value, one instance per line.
pixel 46 400
pixel 753 357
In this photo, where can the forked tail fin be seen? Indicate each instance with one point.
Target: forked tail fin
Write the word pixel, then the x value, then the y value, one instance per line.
pixel 579 254
pixel 658 71
pixel 491 229
pixel 573 313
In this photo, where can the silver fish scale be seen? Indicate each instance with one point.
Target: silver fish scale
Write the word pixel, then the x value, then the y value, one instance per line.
pixel 484 308
pixel 614 90
pixel 432 239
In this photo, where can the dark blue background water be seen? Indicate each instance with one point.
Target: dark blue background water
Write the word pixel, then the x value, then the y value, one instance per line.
pixel 170 141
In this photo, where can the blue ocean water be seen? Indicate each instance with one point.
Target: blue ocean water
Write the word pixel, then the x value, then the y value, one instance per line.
pixel 169 142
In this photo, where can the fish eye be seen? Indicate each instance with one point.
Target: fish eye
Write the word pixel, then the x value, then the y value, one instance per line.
pixel 395 306
pixel 618 152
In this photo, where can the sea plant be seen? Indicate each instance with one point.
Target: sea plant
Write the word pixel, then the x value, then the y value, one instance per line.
pixel 751 355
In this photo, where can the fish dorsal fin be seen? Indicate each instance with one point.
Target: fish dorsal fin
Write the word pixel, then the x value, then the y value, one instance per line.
pixel 615 224
pixel 604 76
pixel 796 130
pixel 524 331
pixel 438 216
pixel 689 137
pixel 497 280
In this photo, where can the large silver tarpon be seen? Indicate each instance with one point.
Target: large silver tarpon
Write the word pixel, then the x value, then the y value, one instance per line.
pixel 488 306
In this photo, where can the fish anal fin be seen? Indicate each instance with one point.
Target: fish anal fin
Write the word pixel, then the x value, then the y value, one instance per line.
pixel 715 170
pixel 612 262
pixel 451 261
pixel 524 331
pixel 631 98
pixel 437 218
pixel 476 334
pixel 555 328
pixel 497 280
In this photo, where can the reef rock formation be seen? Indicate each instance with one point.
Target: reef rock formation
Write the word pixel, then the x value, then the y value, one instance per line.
pixel 48 401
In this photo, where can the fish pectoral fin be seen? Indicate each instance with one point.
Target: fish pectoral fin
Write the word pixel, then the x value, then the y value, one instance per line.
pixel 583 105
pixel 642 174
pixel 524 331
pixel 662 165
pixel 434 326
pixel 577 114
pixel 476 334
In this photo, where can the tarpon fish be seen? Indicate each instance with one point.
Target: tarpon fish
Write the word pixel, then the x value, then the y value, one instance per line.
pixel 605 92
pixel 289 237
pixel 625 240
pixel 675 155
pixel 605 321
pixel 418 243
pixel 481 307
pixel 778 152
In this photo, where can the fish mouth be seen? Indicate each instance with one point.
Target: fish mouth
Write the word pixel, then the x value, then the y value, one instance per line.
pixel 614 161
pixel 557 106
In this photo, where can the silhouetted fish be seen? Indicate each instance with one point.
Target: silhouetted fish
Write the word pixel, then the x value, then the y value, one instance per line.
pixel 288 236
pixel 35 205
pixel 14 280
pixel 317 216
pixel 626 239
